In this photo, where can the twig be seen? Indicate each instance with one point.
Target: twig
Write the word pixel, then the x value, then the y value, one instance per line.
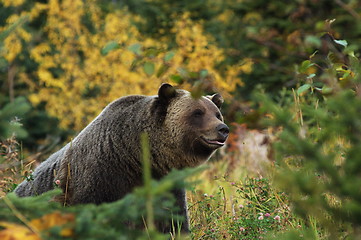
pixel 298 108
pixel 147 178
pixel 67 185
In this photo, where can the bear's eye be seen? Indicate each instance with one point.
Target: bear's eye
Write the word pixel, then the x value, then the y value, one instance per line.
pixel 218 115
pixel 198 113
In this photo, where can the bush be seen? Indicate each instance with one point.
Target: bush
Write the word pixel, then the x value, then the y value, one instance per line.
pixel 40 218
pixel 319 145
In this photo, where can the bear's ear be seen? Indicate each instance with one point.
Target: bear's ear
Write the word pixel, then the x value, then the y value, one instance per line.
pixel 217 99
pixel 166 92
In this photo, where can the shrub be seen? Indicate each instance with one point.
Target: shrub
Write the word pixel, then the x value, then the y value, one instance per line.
pixel 318 147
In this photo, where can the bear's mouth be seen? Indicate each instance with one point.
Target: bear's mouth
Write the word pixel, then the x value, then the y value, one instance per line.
pixel 215 142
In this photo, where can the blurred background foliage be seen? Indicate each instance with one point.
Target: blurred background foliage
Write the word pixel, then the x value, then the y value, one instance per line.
pixel 71 58
pixel 288 70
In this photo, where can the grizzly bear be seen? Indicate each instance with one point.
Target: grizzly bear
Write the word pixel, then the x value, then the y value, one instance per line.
pixel 103 163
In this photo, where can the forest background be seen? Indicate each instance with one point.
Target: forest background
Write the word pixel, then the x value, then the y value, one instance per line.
pixel 289 73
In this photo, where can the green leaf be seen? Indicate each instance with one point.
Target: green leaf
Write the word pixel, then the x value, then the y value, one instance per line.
pixel 203 73
pixel 311 76
pixel 183 72
pixel 305 65
pixel 109 47
pixel 136 48
pixel 168 56
pixel 313 54
pixel 346 74
pixel 326 90
pixel 313 41
pixel 341 42
pixel 176 78
pixel 148 68
pixel 193 75
pixel 197 90
pixel 151 52
pixel 134 64
pixel 303 88
pixel 197 93
pixel 163 68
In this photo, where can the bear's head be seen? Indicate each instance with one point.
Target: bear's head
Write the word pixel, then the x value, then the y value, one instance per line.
pixel 195 127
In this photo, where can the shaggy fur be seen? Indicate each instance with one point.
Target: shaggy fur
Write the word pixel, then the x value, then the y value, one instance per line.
pixel 102 164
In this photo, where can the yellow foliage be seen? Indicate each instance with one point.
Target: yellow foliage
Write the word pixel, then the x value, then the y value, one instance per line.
pixel 12 47
pixel 12 3
pixel 17 232
pixel 225 16
pixel 195 52
pixel 12 44
pixel 194 49
pixel 55 219
pixel 14 231
pixel 37 9
pixel 83 69
pixel 76 81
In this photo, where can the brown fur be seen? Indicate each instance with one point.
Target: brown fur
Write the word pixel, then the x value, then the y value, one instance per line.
pixel 102 164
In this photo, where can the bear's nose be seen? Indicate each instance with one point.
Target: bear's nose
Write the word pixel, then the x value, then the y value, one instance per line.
pixel 223 130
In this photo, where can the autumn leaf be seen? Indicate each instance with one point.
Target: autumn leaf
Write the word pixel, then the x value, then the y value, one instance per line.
pixel 109 47
pixel 148 68
pixel 114 57
pixel 14 231
pixel 54 219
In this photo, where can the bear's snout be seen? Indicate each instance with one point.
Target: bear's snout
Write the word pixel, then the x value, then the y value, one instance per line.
pixel 222 130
